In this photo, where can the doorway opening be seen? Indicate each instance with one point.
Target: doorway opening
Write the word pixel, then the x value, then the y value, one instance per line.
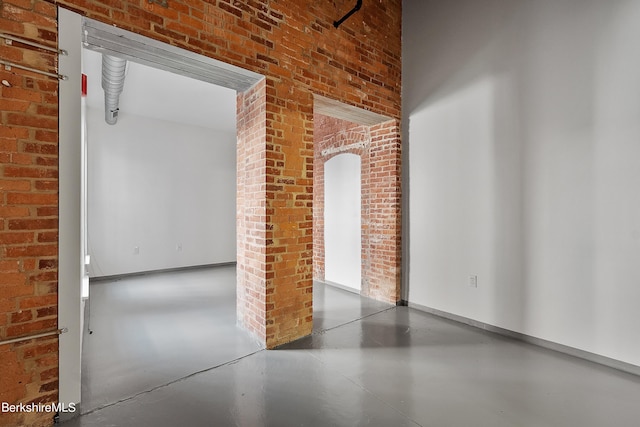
pixel 133 164
pixel 343 221
pixel 161 213
pixel 356 200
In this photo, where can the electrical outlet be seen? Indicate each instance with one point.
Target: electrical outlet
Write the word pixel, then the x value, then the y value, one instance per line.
pixel 473 281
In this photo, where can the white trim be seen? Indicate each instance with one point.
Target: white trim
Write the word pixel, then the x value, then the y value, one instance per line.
pixel 74 33
pixel 339 286
pixel 161 271
pixel 571 351
pixel 124 44
pixel 70 252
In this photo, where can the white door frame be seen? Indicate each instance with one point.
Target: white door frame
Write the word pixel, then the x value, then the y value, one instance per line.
pixel 76 32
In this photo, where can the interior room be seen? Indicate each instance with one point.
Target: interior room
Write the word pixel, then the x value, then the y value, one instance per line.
pixel 174 137
pixel 381 213
pixel 162 253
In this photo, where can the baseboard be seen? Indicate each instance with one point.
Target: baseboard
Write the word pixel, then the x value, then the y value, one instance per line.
pixel 561 348
pixel 339 286
pixel 166 270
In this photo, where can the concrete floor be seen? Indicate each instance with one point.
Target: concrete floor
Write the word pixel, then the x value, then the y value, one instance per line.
pixel 154 329
pixel 366 364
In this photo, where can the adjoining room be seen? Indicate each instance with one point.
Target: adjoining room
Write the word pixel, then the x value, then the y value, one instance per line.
pixel 161 196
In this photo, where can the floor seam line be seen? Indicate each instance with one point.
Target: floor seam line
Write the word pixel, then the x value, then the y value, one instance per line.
pixel 202 371
pixel 322 331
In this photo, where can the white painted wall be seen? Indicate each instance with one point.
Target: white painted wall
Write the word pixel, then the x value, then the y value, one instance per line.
pixel 155 185
pixel 343 221
pixel 523 130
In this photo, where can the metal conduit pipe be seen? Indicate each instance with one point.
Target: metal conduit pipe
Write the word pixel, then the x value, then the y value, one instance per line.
pixel 351 12
pixel 113 73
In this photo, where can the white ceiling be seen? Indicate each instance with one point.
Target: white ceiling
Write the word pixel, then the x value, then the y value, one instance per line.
pixel 159 94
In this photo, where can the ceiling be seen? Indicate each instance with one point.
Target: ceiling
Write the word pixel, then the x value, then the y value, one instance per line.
pixel 159 94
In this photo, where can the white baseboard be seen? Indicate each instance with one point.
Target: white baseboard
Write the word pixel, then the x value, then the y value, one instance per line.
pixel 591 357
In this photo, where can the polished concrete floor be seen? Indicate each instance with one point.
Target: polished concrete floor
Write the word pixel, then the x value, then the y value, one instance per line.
pixel 366 364
pixel 150 330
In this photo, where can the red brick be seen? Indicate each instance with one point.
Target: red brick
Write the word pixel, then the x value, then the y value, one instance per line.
pixel 21 159
pixel 47 110
pixel 11 27
pixel 47 264
pixel 48 237
pixel 33 327
pixel 47 161
pixel 33 224
pixel 45 8
pixel 29 172
pixel 21 316
pixel 32 199
pixel 13 105
pixel 49 360
pixel 9 265
pixel 13 212
pixel 47 311
pixel 9 132
pixel 8 144
pixel 15 238
pixel 49 374
pixel 40 349
pixel 38 301
pixel 47 185
pixel 28 251
pixel 51 386
pixel 49 288
pixel 19 94
pixel 47 211
pixel 41 147
pixel 28 264
pixel 14 286
pixel 47 276
pixel 47 136
pixel 22 15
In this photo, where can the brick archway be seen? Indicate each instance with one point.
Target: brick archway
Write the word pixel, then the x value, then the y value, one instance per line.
pixel 378 146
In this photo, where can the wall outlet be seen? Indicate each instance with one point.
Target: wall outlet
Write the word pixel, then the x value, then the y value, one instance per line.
pixel 136 250
pixel 473 281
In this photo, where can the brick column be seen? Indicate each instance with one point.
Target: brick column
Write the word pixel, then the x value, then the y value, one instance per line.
pixel 385 220
pixel 251 210
pixel 274 213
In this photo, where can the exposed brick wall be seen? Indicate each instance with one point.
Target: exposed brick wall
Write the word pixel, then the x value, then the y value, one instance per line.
pixel 385 220
pixel 379 150
pixel 274 222
pixel 292 43
pixel 251 210
pixel 288 221
pixel 28 211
